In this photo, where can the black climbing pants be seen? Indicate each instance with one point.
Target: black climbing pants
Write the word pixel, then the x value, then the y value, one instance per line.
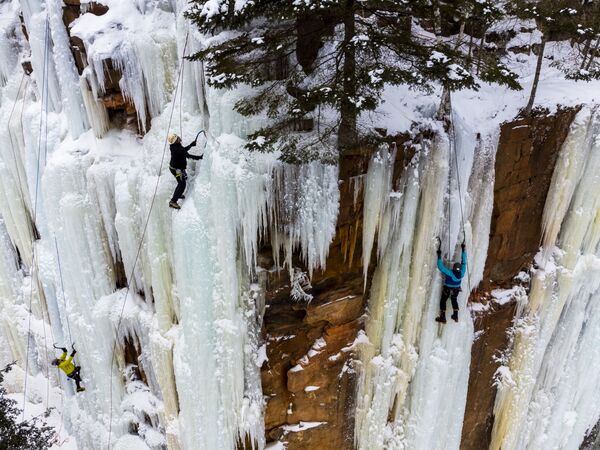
pixel 181 178
pixel 75 376
pixel 453 294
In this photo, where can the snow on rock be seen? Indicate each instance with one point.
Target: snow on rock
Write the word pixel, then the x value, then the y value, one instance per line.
pixel 301 426
pixel 139 43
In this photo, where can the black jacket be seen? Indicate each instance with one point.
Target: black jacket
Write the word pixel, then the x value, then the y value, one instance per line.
pixel 179 155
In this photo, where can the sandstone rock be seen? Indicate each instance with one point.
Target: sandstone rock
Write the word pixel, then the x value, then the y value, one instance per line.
pixel 308 376
pixel 478 421
pixel 527 152
pixel 345 307
pixel 114 101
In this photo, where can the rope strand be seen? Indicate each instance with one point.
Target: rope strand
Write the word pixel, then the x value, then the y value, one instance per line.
pixel 62 286
pixel 462 216
pixel 139 249
pixel 43 108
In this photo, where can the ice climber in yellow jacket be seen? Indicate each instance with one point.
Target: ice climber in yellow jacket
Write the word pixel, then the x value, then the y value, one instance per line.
pixel 71 370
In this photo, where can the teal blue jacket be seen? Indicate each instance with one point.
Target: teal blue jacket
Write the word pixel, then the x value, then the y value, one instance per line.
pixel 450 279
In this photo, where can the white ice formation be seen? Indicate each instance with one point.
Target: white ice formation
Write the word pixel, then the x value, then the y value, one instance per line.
pixel 550 400
pixel 75 189
pixel 192 314
pixel 413 372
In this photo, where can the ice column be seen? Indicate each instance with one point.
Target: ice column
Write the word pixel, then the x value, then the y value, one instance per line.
pixel 414 372
pixel 8 40
pixel 67 72
pixel 547 394
pixel 37 22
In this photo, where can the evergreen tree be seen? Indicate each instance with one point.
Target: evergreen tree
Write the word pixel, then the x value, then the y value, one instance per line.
pixel 552 17
pixel 586 38
pixel 20 435
pixel 322 63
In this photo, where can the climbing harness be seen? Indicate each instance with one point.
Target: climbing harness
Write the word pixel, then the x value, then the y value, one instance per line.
pixel 139 249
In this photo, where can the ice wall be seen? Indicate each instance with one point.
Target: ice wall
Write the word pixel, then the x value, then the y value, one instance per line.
pixel 413 372
pixel 172 295
pixel 548 391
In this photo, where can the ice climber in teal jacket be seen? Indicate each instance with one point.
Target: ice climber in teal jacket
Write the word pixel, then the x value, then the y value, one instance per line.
pixel 452 282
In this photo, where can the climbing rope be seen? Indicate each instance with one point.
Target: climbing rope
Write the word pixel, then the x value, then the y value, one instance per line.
pixel 462 216
pixel 181 87
pixel 450 253
pixel 62 287
pixel 139 249
pixel 43 118
pixel 12 142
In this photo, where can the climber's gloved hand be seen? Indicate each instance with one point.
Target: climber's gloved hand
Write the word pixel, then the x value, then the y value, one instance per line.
pixel 74 351
pixel 64 349
pixel 439 253
pixel 463 246
pixel 194 143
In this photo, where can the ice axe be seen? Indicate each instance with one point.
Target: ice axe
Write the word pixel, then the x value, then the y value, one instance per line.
pixel 198 135
pixel 60 348
pixel 205 136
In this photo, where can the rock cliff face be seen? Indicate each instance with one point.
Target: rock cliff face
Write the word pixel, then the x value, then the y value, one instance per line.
pixel 306 343
pixel 525 160
pixel 308 379
pixel 309 376
pixel 526 156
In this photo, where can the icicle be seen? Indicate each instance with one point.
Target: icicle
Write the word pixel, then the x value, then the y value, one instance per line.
pixel 146 62
pixel 95 109
pixel 404 356
pixel 303 212
pixel 378 184
pixel 36 22
pixel 9 44
pixel 547 400
pixel 66 70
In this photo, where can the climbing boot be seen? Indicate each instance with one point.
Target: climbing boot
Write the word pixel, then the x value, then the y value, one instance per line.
pixel 80 389
pixel 182 197
pixel 455 315
pixel 442 317
pixel 174 205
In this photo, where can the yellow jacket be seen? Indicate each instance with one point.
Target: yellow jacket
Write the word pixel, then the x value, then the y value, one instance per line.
pixel 65 364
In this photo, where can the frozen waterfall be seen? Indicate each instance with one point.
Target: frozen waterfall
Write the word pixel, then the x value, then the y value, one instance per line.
pixel 187 334
pixel 414 372
pixel 548 396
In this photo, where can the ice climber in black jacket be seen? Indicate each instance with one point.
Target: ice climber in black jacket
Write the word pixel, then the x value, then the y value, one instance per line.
pixel 177 166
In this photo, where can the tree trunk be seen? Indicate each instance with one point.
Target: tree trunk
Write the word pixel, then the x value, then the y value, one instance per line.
pixel 536 78
pixel 437 21
pixel 461 33
pixel 347 135
pixel 470 54
pixel 586 49
pixel 480 52
pixel 443 112
pixel 592 55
